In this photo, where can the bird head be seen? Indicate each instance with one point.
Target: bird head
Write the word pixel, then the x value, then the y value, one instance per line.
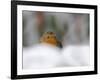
pixel 49 37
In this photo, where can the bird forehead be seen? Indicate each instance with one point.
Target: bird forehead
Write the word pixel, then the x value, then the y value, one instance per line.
pixel 50 32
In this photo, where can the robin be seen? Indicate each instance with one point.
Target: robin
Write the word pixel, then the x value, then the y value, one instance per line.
pixel 50 38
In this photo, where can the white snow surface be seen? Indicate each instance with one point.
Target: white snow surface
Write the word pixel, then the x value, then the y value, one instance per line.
pixel 47 56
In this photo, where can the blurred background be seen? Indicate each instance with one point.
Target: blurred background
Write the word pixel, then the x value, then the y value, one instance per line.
pixel 71 29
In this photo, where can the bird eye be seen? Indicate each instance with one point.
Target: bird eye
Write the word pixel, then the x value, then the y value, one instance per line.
pixel 47 37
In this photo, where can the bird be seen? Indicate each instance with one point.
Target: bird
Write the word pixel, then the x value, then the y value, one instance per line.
pixel 50 38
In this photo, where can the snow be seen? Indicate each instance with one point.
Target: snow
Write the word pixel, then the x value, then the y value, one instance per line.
pixel 47 56
pixel 77 55
pixel 41 56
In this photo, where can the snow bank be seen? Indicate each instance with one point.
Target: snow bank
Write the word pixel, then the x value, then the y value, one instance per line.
pixel 47 56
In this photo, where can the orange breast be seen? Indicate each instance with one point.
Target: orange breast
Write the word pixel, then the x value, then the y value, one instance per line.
pixel 51 41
